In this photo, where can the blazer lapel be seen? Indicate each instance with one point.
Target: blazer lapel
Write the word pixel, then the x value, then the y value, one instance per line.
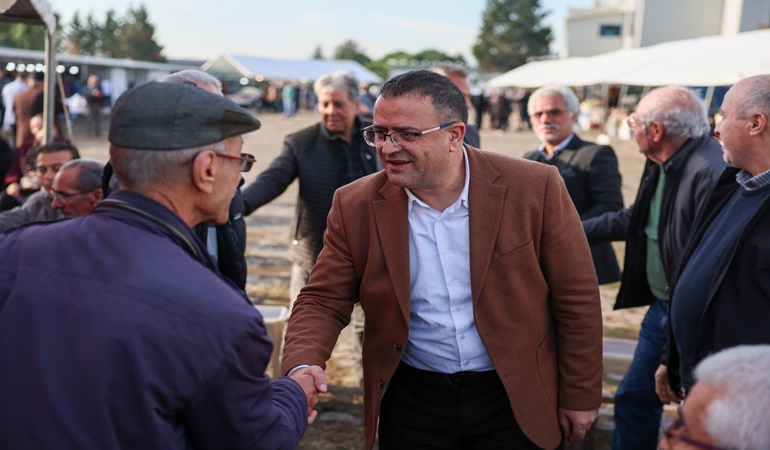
pixel 485 210
pixel 390 215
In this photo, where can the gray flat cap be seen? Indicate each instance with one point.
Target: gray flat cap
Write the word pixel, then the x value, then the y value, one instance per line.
pixel 172 116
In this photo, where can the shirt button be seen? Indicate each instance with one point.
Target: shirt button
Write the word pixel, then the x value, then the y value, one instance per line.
pixel 452 283
pixel 397 347
pixel 380 384
pixel 457 309
pixel 462 336
pixel 466 363
pixel 295 242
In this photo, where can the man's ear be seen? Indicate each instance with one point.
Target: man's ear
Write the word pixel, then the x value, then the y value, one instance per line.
pixel 656 131
pixel 204 171
pixel 758 124
pixel 96 195
pixel 456 134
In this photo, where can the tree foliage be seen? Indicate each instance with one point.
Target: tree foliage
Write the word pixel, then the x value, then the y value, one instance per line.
pixel 129 36
pixel 511 32
pixel 318 52
pixel 350 50
pixel 24 36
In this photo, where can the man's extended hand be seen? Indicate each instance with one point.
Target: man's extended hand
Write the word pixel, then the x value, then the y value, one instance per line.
pixel 575 424
pixel 313 381
pixel 665 394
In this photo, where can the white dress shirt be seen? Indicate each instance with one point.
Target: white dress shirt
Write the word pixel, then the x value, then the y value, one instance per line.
pixel 442 330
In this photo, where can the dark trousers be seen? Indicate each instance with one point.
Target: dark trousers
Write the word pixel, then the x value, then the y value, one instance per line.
pixel 464 411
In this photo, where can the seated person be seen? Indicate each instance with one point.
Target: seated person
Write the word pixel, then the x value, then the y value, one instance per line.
pixel 727 406
pixel 37 207
pixel 77 188
pixel 16 179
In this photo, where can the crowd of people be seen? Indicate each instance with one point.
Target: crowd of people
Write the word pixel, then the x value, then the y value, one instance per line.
pixel 471 278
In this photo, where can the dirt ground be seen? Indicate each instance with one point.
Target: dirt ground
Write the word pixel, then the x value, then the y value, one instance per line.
pixel 339 425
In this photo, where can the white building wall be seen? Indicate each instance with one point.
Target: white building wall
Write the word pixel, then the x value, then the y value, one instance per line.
pixel 584 37
pixel 745 15
pixel 659 21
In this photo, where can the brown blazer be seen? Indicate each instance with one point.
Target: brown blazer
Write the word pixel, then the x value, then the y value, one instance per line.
pixel 535 295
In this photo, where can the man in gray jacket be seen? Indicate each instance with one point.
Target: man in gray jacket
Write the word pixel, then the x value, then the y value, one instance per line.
pixel 325 156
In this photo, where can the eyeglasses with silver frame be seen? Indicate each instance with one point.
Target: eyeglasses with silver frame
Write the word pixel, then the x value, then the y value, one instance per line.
pixel 376 138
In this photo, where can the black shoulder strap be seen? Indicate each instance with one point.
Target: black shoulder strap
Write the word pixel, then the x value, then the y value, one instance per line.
pixel 188 245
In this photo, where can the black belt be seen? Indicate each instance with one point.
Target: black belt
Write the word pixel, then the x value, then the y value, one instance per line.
pixel 465 379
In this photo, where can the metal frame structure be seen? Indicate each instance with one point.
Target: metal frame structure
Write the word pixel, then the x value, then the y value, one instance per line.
pixel 37 12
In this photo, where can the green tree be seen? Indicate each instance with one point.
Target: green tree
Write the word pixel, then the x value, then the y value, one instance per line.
pixel 511 33
pixel 109 33
pixel 318 53
pixel 350 50
pixel 137 37
pixel 24 36
pixel 436 56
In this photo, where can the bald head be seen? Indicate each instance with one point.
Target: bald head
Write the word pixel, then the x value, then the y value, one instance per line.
pixel 754 96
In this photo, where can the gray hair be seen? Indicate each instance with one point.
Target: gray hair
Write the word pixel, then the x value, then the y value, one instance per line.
pixel 135 168
pixel 756 99
pixel 339 79
pixel 194 76
pixel 680 110
pixel 89 173
pixel 567 94
pixel 449 69
pixel 737 418
pixel 445 96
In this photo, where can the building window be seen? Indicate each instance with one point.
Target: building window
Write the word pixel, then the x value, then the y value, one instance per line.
pixel 609 30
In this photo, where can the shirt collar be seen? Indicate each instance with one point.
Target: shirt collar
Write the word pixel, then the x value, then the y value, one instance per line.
pixel 562 145
pixel 752 183
pixel 461 200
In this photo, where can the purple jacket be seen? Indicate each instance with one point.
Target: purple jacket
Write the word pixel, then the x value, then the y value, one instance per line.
pixel 113 336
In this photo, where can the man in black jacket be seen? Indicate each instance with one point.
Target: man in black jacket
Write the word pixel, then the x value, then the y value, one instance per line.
pixel 671 128
pixel 722 294
pixel 590 171
pixel 325 156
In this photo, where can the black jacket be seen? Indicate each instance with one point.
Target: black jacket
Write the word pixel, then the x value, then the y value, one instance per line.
pixel 312 156
pixel 591 174
pixel 738 305
pixel 231 242
pixel 690 174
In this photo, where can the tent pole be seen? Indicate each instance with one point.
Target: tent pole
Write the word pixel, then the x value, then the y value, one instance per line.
pixel 49 92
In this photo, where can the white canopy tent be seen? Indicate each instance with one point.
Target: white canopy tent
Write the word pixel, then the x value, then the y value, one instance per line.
pixel 254 67
pixel 707 61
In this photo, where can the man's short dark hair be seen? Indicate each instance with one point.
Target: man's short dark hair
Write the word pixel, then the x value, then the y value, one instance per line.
pixel 53 147
pixel 56 147
pixel 446 98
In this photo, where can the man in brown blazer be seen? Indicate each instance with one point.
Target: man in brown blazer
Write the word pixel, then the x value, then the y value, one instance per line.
pixel 483 322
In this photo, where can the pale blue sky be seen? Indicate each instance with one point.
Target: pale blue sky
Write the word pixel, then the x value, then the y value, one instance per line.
pixel 202 29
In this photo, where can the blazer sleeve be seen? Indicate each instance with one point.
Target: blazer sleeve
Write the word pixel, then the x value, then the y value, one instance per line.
pixel 574 299
pixel 324 306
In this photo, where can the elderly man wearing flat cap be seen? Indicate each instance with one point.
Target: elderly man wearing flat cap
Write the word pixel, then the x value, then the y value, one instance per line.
pixel 116 330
